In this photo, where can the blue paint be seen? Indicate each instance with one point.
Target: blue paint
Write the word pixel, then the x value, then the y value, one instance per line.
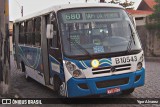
pixel 52 72
pixel 75 91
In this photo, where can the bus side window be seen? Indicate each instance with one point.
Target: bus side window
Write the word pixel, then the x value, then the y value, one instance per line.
pixel 37 31
pixel 55 36
pixel 21 33
pixel 13 38
pixel 29 33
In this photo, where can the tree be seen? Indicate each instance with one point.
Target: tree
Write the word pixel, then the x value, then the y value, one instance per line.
pixel 115 1
pixel 154 19
pixel 153 26
pixel 125 4
pixel 102 1
pixel 4 47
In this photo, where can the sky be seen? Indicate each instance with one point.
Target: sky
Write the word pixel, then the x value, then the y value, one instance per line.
pixel 31 6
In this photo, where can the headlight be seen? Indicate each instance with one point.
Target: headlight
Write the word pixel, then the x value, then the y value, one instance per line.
pixel 139 66
pixel 74 70
pixel 70 66
pixel 76 73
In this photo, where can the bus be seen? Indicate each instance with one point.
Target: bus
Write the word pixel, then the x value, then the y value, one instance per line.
pixel 80 49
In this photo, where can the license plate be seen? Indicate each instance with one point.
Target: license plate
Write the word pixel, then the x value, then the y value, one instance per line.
pixel 113 90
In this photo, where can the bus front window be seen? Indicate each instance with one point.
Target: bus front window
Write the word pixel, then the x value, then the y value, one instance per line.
pixel 94 31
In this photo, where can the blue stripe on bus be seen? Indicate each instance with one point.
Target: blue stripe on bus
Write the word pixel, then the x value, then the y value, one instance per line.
pixel 35 56
pixel 52 72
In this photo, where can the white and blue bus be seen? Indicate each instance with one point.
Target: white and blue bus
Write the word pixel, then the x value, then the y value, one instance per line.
pixel 80 49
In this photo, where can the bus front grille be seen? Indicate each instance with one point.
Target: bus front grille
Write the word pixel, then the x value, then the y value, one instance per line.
pixel 118 68
pixel 110 83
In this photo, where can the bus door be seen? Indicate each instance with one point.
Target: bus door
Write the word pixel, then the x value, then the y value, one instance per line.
pixel 55 60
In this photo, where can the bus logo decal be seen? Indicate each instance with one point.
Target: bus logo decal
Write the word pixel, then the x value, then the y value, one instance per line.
pixel 95 63
pixel 113 69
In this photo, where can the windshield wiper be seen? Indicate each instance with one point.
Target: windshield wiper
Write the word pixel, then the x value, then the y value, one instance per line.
pixel 78 46
pixel 129 46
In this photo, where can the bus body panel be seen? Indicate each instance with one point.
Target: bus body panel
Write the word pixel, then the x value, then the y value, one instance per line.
pixel 32 58
pixel 75 91
pixel 119 78
pixel 105 64
pixel 56 68
pixel 97 78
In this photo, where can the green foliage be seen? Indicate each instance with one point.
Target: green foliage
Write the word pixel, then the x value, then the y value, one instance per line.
pixel 102 1
pixel 127 4
pixel 153 26
pixel 155 17
pixel 115 1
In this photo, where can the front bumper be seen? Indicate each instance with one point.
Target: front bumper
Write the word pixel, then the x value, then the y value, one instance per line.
pixel 84 87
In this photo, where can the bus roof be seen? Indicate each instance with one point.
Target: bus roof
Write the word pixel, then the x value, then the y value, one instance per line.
pixel 66 6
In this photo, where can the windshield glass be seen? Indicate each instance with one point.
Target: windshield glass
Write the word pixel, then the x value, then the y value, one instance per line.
pixel 93 31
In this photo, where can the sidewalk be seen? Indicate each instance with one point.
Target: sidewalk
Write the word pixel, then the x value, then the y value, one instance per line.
pixel 152 59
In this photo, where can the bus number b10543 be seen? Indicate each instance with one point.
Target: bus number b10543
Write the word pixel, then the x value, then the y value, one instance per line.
pixel 126 59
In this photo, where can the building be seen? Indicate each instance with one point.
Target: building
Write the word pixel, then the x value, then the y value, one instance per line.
pixel 145 8
pixel 147 5
pixel 140 16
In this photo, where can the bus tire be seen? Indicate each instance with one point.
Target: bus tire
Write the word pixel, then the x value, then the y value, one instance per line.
pixel 57 83
pixel 127 92
pixel 23 68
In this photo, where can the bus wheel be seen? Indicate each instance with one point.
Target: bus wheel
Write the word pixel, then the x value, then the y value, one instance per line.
pixel 127 92
pixel 23 68
pixel 57 83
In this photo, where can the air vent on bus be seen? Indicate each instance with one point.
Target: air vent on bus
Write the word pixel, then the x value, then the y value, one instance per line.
pixel 110 83
pixel 118 68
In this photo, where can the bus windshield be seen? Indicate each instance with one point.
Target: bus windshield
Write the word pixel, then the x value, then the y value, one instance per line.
pixel 95 31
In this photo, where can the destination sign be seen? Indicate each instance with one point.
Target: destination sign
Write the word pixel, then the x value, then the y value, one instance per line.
pixel 69 17
pixel 104 15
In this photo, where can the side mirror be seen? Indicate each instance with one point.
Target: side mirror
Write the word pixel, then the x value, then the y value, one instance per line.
pixel 49 32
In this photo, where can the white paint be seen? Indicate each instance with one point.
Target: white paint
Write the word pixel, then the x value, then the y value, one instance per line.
pixel 34 5
pixel 67 6
pixel 34 74
pixel 66 72
pixel 55 67
pixel 67 76
pixel 89 73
